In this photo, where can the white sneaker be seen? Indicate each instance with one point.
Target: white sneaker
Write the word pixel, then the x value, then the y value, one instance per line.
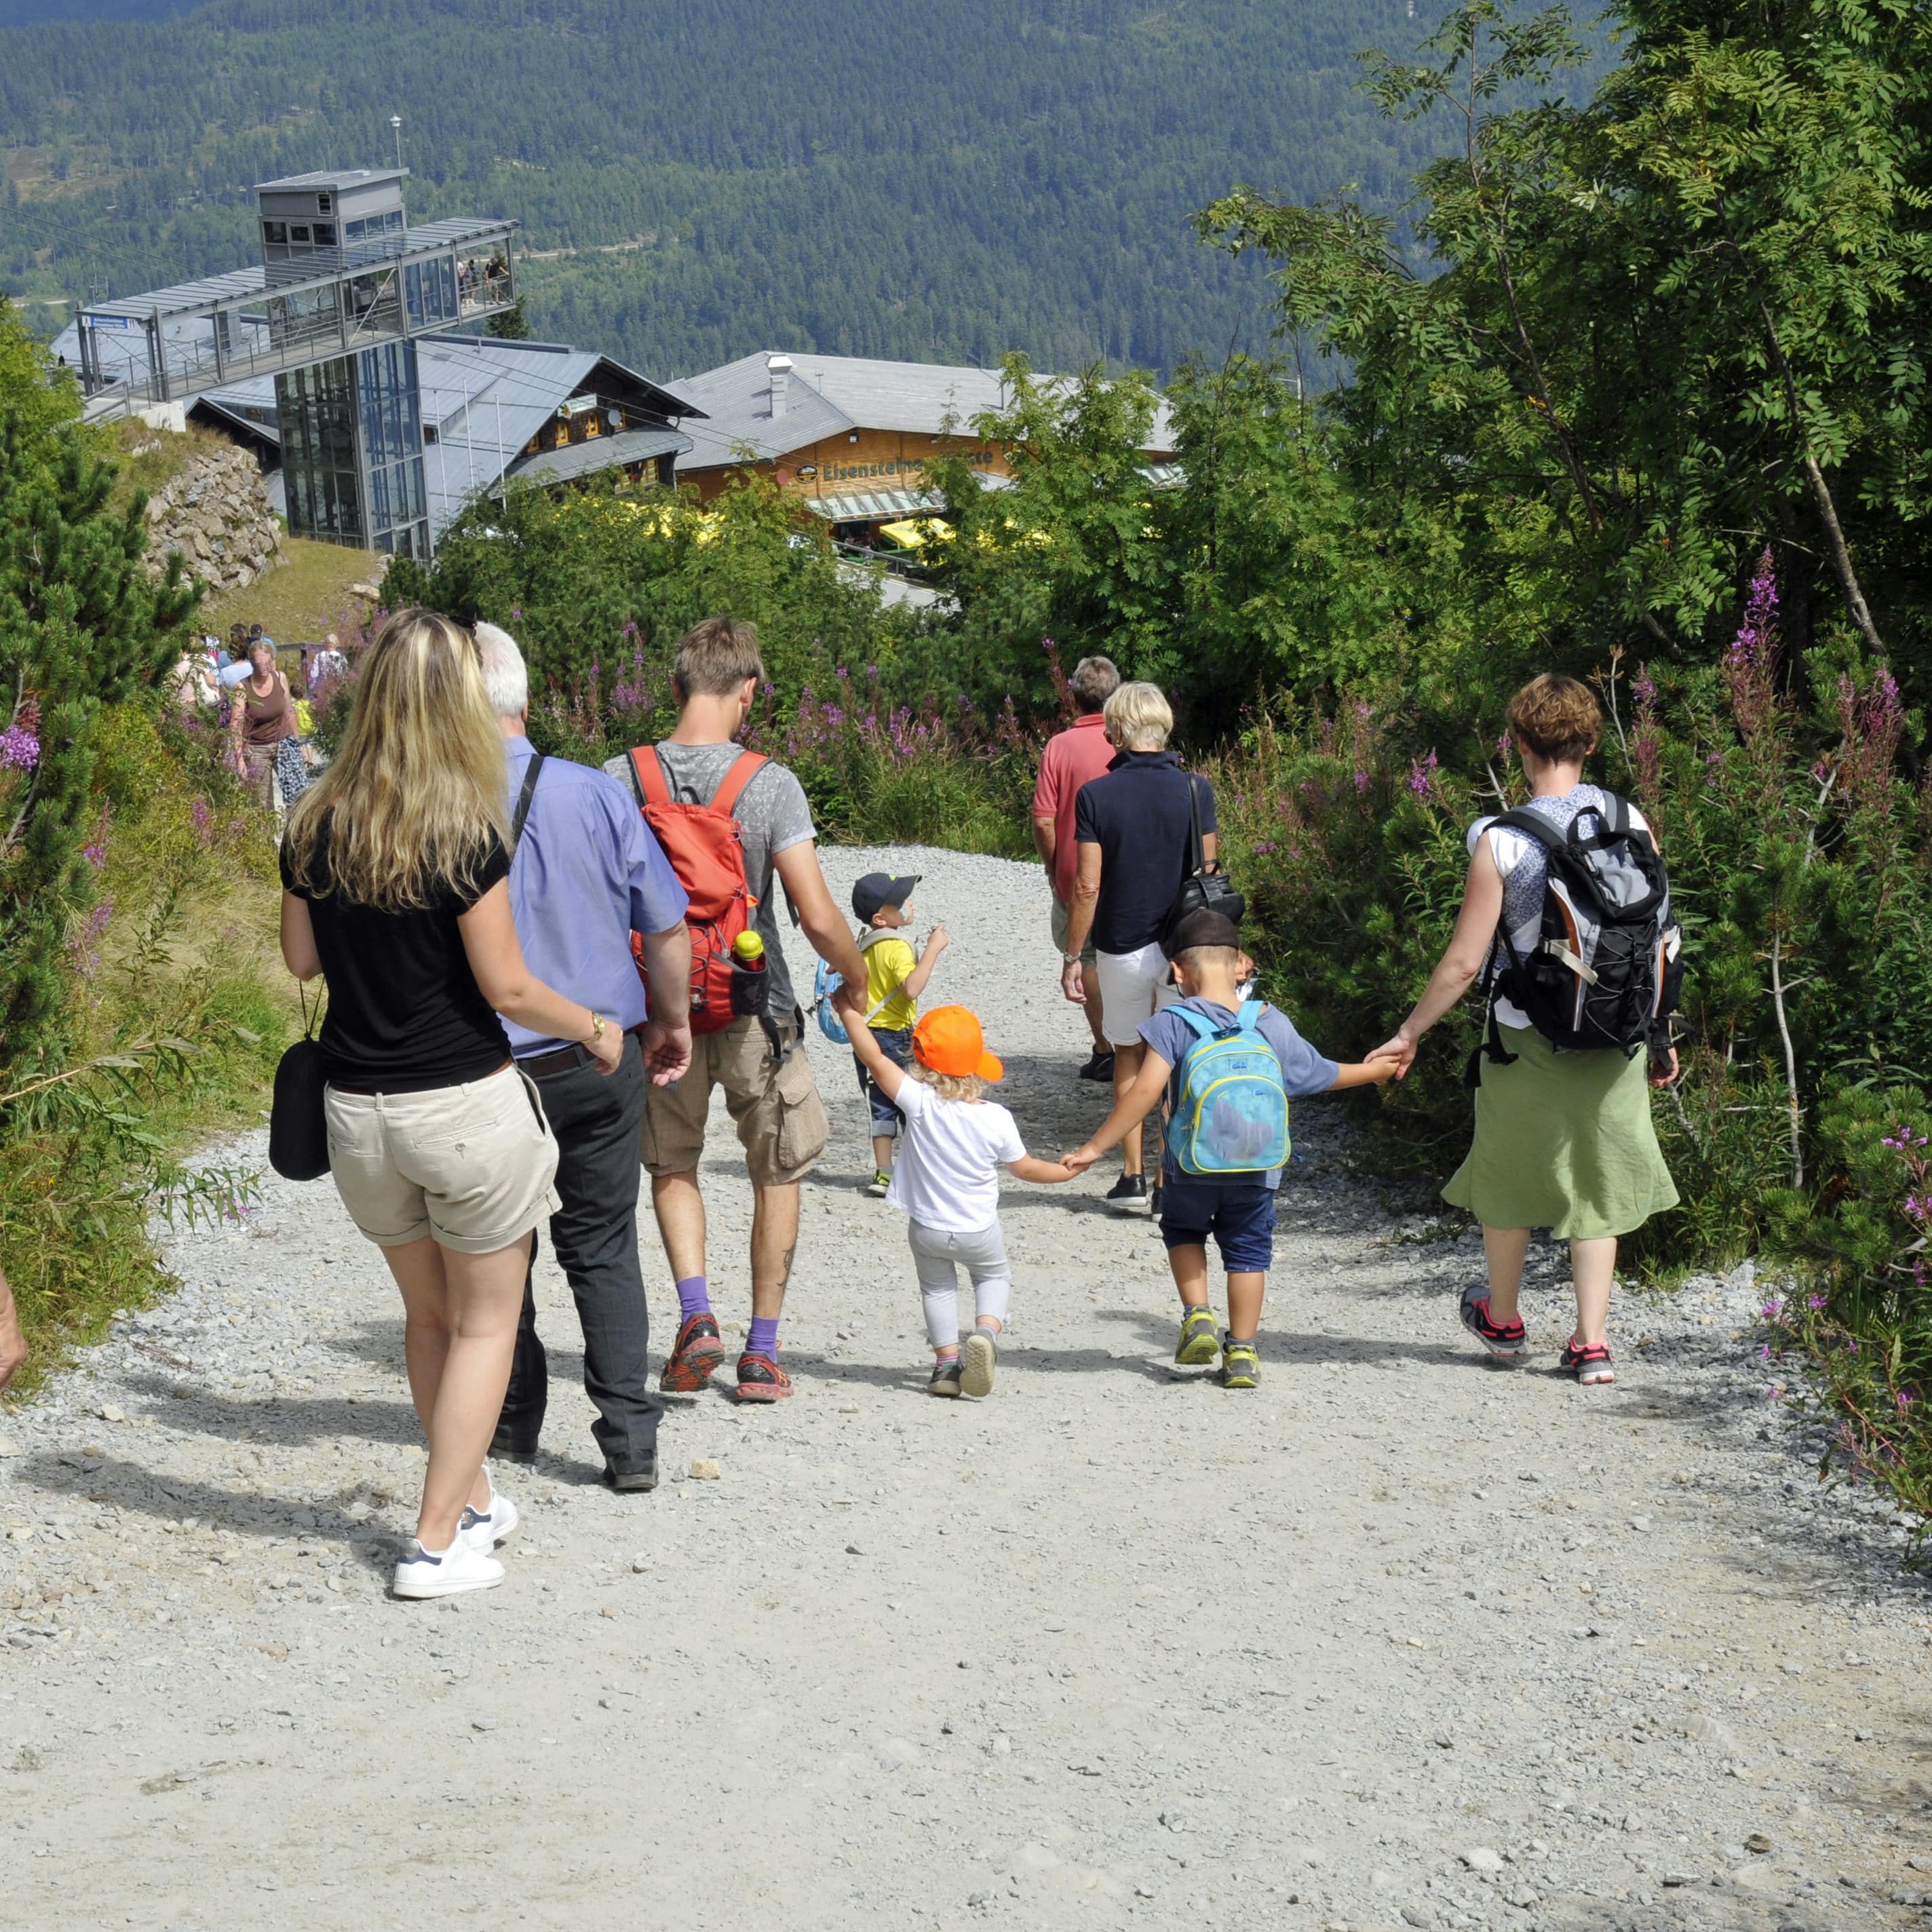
pixel 484 1529
pixel 423 1573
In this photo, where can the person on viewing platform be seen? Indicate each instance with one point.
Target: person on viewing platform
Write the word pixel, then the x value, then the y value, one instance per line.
pixel 395 871
pixel 261 721
pixel 739 818
pixel 1228 1067
pixel 1133 834
pixel 1072 756
pixel 1563 1139
pixel 585 874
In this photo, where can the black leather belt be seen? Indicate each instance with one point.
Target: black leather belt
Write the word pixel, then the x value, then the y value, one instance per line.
pixel 564 1059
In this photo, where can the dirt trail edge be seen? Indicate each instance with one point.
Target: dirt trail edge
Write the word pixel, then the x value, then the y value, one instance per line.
pixel 1399 1639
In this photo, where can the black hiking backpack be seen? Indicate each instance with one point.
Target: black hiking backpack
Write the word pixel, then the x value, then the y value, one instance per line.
pixel 1607 968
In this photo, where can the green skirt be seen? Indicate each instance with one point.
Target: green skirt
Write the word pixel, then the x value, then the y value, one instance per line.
pixel 1563 1141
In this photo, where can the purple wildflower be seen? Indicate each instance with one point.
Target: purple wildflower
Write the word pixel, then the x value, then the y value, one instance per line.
pixel 19 749
pixel 1422 776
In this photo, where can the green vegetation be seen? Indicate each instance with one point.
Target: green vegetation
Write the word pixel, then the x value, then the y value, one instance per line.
pixel 1015 175
pixel 304 598
pixel 134 891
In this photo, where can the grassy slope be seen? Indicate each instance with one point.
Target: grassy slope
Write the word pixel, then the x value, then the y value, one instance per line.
pixel 307 597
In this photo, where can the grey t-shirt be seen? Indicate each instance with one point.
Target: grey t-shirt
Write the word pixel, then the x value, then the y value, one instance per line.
pixel 773 814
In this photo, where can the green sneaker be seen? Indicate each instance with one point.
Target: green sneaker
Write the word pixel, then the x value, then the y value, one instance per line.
pixel 1199 1338
pixel 1240 1366
pixel 945 1376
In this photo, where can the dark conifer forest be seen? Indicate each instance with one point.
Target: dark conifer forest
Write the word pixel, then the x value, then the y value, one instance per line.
pixel 935 181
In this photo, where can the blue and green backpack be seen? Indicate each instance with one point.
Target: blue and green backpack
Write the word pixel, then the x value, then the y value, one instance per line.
pixel 1231 1116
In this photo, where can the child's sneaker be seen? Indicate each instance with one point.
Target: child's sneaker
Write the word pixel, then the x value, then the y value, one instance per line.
pixel 1589 1362
pixel 881 1182
pixel 945 1372
pixel 423 1573
pixel 1199 1338
pixel 1505 1340
pixel 1241 1365
pixel 983 1356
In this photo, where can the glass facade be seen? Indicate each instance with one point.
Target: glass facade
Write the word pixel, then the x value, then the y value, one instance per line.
pixel 352 451
pixel 429 291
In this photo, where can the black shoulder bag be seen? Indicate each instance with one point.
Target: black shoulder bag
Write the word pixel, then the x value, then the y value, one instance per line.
pixel 1202 889
pixel 298 1128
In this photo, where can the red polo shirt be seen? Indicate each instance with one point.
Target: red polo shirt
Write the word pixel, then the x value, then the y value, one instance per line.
pixel 1072 756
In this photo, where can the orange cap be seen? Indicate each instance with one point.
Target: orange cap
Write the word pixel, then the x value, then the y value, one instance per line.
pixel 948 1039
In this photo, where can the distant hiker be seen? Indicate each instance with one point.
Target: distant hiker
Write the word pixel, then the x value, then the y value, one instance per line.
pixel 1563 1138
pixel 262 720
pixel 1133 830
pixel 1228 1066
pixel 947 1183
pixel 12 1343
pixel 395 888
pixel 729 819
pixel 585 874
pixel 895 978
pixel 1072 756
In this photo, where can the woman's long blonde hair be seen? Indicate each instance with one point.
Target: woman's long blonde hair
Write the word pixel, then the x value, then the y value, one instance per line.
pixel 412 800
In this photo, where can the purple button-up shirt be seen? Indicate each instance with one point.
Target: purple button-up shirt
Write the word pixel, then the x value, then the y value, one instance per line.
pixel 587 873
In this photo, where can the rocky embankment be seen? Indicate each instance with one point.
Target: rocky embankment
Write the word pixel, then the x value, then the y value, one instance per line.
pixel 215 513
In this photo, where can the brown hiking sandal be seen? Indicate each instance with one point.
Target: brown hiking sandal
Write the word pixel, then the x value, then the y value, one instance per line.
pixel 698 1355
pixel 760 1379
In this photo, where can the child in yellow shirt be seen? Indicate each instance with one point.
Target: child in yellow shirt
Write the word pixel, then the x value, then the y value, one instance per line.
pixel 895 978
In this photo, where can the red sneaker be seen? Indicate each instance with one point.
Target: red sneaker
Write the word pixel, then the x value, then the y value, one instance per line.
pixel 760 1379
pixel 697 1356
pixel 1505 1340
pixel 1589 1362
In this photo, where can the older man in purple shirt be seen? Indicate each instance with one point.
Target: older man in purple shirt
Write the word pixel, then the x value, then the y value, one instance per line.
pixel 585 874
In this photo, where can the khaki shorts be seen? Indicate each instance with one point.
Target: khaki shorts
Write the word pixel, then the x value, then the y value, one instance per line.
pixel 1059 930
pixel 781 1120
pixel 472 1165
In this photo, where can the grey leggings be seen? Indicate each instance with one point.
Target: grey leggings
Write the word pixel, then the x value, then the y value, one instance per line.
pixel 936 1255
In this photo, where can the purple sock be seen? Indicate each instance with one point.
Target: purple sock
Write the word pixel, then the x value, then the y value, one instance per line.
pixel 763 1338
pixel 693 1297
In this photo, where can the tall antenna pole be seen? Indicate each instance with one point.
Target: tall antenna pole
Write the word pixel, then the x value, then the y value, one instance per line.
pixel 396 123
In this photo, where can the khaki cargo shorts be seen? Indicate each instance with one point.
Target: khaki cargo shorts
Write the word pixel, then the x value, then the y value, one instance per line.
pixel 780 1118
pixel 1062 925
pixel 472 1165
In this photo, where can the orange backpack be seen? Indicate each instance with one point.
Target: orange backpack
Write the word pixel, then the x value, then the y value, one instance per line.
pixel 706 846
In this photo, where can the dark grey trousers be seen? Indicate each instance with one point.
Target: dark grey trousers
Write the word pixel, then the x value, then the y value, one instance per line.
pixel 596 1120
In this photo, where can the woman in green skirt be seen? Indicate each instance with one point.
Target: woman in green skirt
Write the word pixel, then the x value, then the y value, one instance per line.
pixel 1563 1140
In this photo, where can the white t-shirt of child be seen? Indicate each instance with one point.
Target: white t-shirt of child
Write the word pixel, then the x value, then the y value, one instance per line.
pixel 947 1175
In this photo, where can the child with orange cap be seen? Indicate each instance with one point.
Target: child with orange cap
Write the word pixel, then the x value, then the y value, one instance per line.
pixel 947 1183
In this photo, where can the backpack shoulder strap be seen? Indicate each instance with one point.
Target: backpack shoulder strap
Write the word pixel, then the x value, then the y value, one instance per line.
pixel 1248 1015
pixel 524 798
pixel 873 935
pixel 647 776
pixel 1199 1024
pixel 1532 822
pixel 746 767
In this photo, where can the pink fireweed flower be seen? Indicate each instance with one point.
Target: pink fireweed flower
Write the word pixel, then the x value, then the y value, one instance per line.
pixel 19 749
pixel 1422 776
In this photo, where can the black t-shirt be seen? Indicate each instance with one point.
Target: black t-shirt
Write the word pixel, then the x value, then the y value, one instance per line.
pixel 1136 812
pixel 405 1012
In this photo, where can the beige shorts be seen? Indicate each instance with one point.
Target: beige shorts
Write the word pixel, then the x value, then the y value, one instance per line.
pixel 781 1120
pixel 1134 986
pixel 1059 930
pixel 471 1164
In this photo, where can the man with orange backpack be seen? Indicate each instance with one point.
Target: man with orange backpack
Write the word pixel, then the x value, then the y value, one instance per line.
pixel 728 819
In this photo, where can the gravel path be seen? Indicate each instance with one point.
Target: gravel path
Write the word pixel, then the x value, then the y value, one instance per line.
pixel 1400 1640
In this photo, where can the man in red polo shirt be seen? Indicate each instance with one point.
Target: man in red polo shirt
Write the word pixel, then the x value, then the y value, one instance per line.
pixel 1072 757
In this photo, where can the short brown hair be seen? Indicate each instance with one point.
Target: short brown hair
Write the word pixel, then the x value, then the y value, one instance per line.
pixel 1556 717
pixel 714 657
pixel 1195 957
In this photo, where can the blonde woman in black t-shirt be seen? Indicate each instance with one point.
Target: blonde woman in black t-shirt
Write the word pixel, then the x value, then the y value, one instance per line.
pixel 394 868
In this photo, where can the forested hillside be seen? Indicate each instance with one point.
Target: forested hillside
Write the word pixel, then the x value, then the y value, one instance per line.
pixel 936 182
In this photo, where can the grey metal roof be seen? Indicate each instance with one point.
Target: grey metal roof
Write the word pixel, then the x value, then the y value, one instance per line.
pixel 829 395
pixel 862 505
pixel 603 452
pixel 334 178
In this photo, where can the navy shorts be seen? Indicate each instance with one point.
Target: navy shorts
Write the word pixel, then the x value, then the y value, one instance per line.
pixel 1239 1214
pixel 895 1043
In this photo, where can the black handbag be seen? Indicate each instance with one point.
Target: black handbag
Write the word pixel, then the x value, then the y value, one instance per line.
pixel 298 1126
pixel 1202 890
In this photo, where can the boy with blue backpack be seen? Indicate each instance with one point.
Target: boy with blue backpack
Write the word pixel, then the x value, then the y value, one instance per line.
pixel 1228 1067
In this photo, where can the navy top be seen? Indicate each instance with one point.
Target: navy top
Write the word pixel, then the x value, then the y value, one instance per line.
pixel 587 873
pixel 1136 812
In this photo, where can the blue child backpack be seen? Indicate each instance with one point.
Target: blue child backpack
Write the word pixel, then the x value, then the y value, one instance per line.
pixel 825 982
pixel 1231 1116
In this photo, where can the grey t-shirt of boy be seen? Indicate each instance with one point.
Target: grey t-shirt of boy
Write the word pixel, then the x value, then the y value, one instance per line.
pixel 773 814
